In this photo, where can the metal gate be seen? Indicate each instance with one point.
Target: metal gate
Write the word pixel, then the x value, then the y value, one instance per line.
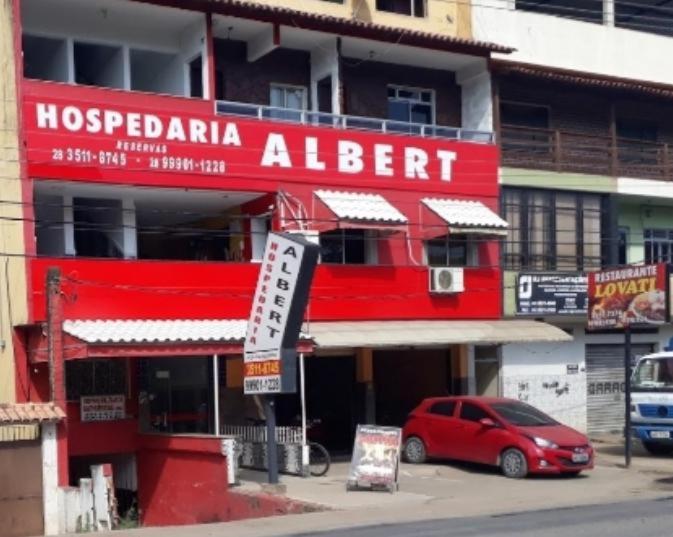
pixel 605 385
pixel 21 488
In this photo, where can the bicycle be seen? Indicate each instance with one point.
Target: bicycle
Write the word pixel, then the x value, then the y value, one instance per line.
pixel 318 459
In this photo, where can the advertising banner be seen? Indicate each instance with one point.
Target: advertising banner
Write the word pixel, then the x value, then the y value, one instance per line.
pixel 551 294
pixel 376 457
pixel 103 407
pixel 628 296
pixel 283 285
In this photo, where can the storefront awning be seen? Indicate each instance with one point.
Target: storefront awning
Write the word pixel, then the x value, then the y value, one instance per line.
pixel 151 338
pixel 430 333
pixel 463 216
pixel 357 209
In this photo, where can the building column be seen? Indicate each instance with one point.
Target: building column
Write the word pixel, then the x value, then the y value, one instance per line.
pixel 50 479
pixel 476 97
pixel 609 12
pixel 130 237
pixel 325 63
pixel 364 374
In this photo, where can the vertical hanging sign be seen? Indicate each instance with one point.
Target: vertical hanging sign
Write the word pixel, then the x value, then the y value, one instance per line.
pixel 277 313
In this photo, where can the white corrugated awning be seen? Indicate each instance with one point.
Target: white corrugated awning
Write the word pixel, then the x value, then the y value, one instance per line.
pixel 155 331
pixel 428 333
pixel 361 207
pixel 463 216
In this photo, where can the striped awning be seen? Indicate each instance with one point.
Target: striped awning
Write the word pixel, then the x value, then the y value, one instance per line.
pixel 29 413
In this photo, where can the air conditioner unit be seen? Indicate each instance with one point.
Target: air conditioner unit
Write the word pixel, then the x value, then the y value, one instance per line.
pixel 446 280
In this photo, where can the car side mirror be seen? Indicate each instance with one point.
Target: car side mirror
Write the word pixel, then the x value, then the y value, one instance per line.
pixel 488 422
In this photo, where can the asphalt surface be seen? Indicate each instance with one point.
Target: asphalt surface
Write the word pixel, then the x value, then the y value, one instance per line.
pixel 653 518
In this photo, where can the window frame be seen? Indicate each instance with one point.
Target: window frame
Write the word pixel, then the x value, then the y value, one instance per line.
pixel 285 87
pixel 437 403
pixel 464 404
pixel 471 250
pixel 652 242
pixel 370 245
pixel 123 362
pixel 412 101
pixel 412 10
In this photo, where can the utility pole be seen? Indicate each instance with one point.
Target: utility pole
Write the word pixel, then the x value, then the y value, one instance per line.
pixel 54 336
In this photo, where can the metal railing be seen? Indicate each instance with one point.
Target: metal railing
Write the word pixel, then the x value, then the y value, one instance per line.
pixel 567 151
pixel 257 433
pixel 336 121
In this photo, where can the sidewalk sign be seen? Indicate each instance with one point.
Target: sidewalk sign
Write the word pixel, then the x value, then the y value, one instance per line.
pixel 376 458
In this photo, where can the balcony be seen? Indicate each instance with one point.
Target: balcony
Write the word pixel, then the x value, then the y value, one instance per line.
pixel 361 123
pixel 576 152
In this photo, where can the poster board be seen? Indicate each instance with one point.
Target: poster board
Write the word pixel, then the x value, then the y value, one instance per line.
pixel 103 407
pixel 376 458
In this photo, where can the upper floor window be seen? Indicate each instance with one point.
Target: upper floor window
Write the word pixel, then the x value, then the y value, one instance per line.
pixel 349 246
pixel 583 10
pixel 623 246
pixel 452 250
pixel 658 245
pixel 552 230
pixel 414 8
pixel 411 105
pixel 95 377
pixel 288 102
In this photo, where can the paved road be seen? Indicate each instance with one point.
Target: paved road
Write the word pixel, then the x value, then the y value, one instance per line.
pixel 652 518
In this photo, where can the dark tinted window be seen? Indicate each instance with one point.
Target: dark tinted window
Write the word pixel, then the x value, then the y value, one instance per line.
pixel 471 412
pixel 443 408
pixel 522 414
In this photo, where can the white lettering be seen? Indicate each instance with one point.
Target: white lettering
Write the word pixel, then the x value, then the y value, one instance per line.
pixel 230 136
pixel 197 131
pixel 175 130
pixel 93 122
pixel 275 152
pixel 446 158
pixel 112 120
pixel 350 157
pixel 133 125
pixel 415 161
pixel 47 116
pixel 153 126
pixel 312 161
pixel 383 159
pixel 72 118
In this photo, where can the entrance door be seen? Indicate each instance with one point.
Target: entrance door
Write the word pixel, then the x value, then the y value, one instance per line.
pixel 487 370
pixel 605 385
pixel 21 493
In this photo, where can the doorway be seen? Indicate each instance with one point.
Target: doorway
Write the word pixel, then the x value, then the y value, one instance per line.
pixel 487 370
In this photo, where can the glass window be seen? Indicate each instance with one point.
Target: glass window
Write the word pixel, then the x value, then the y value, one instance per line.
pixel 413 8
pixel 98 227
pixel 349 246
pixel 522 414
pixel 291 97
pixel 584 10
pixel 471 412
pixel 658 245
pixel 411 105
pixel 443 408
pixel 95 377
pixel 452 250
pixel 552 230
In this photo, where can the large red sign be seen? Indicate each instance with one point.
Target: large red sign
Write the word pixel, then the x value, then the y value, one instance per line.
pixel 119 132
pixel 626 296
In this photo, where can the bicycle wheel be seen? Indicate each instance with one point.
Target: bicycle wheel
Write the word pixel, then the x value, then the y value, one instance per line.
pixel 318 459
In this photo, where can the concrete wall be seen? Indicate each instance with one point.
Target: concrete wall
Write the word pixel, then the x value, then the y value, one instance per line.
pixel 448 18
pixel 570 44
pixel 13 296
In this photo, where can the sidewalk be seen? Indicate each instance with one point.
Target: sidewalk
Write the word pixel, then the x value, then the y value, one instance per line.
pixel 444 491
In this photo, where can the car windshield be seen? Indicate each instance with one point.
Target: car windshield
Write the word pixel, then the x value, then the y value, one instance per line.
pixel 522 414
pixel 654 373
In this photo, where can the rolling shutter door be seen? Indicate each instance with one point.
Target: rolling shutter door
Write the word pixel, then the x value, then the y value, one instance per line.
pixel 605 385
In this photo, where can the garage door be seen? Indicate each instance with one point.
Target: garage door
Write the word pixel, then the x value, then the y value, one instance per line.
pixel 21 488
pixel 605 385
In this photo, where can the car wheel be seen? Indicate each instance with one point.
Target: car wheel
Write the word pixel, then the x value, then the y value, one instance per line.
pixel 657 449
pixel 513 463
pixel 414 450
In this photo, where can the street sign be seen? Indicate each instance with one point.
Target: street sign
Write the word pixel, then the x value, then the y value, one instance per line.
pixel 270 355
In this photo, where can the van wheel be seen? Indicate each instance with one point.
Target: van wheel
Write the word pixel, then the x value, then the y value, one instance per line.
pixel 513 464
pixel 414 450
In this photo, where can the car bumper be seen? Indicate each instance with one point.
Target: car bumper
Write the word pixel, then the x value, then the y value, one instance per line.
pixel 559 461
pixel 653 433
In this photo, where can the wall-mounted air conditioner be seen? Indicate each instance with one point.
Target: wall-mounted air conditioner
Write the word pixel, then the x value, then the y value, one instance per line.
pixel 446 280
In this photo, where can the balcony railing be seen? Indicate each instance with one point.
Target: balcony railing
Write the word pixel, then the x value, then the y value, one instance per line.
pixel 565 151
pixel 336 121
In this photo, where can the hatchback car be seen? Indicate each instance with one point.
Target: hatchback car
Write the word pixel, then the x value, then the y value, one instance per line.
pixel 502 432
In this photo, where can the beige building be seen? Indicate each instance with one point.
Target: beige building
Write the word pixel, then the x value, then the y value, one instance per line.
pixel 13 305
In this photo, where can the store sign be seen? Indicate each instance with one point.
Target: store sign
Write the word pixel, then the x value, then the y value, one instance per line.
pixel 123 137
pixel 102 407
pixel 628 296
pixel 277 313
pixel 551 294
pixel 376 457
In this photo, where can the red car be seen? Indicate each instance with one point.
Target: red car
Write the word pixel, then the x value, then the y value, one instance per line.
pixel 497 431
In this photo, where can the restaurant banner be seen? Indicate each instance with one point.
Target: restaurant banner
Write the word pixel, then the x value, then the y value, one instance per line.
pixel 628 296
pixel 376 457
pixel 103 407
pixel 551 294
pixel 277 313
